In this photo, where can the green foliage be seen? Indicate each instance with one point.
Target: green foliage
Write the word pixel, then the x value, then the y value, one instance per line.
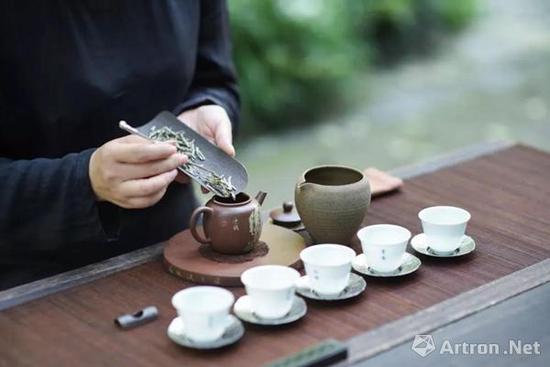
pixel 454 14
pixel 294 57
pixel 290 55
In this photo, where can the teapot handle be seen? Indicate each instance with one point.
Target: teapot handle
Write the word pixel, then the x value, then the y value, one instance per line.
pixel 193 224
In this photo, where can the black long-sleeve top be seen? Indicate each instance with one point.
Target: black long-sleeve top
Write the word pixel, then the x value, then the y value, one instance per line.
pixel 69 71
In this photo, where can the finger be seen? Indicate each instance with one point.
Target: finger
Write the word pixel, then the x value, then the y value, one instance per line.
pixel 147 186
pixel 182 178
pixel 132 139
pixel 146 201
pixel 132 171
pixel 223 136
pixel 141 152
pixel 204 190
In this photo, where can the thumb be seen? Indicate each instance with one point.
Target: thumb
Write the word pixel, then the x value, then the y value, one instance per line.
pixel 227 147
pixel 224 137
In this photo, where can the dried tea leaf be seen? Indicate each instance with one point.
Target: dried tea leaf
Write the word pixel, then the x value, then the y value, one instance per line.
pixel 212 181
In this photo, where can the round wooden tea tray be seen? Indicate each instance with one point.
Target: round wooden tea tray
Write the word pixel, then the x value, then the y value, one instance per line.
pixel 183 259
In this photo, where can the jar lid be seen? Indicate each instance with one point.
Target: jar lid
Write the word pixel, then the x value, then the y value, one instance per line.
pixel 286 215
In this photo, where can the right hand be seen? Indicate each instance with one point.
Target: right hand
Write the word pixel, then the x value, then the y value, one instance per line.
pixel 133 172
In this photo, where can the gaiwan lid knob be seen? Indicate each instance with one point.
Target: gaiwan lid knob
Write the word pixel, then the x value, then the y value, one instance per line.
pixel 285 215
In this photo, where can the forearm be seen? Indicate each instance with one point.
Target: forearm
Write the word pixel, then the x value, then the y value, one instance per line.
pixel 215 80
pixel 46 203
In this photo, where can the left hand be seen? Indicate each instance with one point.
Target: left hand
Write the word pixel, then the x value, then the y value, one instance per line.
pixel 212 122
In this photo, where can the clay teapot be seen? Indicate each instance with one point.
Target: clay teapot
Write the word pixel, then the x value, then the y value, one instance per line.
pixel 230 226
pixel 332 202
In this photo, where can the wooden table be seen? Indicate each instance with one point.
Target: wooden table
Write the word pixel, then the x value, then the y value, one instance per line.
pixel 522 318
pixel 67 320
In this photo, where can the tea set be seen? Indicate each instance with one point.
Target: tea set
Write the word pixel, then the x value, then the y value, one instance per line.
pixel 203 320
pixel 270 296
pixel 274 293
pixel 331 203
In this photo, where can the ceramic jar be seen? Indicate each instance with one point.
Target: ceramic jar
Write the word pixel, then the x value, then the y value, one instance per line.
pixel 332 202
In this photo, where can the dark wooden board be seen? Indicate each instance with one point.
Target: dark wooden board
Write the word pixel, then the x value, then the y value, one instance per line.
pixel 523 318
pixel 507 193
pixel 56 283
pixel 392 334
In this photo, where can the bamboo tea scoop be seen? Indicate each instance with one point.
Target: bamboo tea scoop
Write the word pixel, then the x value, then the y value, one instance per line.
pixel 213 162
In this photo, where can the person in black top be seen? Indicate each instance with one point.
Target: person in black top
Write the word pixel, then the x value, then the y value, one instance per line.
pixel 74 189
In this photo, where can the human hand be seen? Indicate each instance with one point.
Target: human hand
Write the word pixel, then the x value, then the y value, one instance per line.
pixel 133 172
pixel 212 122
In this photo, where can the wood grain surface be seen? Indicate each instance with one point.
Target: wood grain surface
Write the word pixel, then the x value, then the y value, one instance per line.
pixel 521 318
pixel 182 258
pixel 507 193
pixel 446 313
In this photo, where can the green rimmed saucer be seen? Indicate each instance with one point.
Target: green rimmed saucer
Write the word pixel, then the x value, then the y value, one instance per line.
pixel 233 332
pixel 467 245
pixel 243 309
pixel 356 286
pixel 409 264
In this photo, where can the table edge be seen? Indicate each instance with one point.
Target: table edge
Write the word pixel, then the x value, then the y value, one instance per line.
pixel 390 335
pixel 43 287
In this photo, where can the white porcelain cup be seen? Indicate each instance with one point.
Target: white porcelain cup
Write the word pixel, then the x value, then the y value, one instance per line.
pixel 444 226
pixel 204 311
pixel 384 246
pixel 328 267
pixel 271 289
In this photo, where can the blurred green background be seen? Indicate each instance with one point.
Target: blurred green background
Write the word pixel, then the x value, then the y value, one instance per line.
pixel 384 82
pixel 296 58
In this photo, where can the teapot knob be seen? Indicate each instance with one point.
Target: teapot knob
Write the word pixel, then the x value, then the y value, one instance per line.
pixel 288 206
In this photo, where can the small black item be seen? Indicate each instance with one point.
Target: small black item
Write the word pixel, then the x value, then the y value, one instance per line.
pixel 141 317
pixel 323 354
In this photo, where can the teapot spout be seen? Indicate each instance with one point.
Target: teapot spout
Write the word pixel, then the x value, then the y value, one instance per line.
pixel 260 197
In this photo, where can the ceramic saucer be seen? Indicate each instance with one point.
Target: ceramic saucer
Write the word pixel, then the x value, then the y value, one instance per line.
pixel 243 310
pixel 356 286
pixel 233 332
pixel 467 245
pixel 409 265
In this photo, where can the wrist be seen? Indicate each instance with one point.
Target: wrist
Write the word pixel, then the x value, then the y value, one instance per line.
pixel 93 176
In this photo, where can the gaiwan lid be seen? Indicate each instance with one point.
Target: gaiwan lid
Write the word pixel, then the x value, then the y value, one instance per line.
pixel 286 215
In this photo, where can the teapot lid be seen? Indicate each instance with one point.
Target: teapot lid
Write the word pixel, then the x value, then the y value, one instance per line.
pixel 285 215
